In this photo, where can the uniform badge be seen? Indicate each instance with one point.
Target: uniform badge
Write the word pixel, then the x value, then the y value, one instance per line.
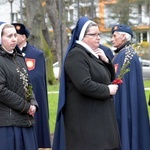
pixel 115 28
pixel 30 63
pixel 18 27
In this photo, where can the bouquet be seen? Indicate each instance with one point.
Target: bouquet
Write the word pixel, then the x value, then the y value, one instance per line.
pixel 129 53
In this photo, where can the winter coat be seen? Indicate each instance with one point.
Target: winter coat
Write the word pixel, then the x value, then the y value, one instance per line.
pixel 13 104
pixel 90 121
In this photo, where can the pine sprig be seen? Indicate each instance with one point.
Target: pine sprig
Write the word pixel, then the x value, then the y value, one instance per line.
pixel 28 92
pixel 129 53
pixel 27 87
pixel 124 70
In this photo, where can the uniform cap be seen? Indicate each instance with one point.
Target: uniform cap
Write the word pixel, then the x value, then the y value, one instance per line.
pixel 21 29
pixel 122 28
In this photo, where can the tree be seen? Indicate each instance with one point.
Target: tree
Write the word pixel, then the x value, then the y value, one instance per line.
pixel 122 10
pixel 35 21
pixel 56 14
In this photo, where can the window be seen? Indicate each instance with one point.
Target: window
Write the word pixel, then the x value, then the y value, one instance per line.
pixel 148 8
pixel 144 36
pixel 140 9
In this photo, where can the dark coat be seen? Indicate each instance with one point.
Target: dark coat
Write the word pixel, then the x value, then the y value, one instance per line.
pixel 90 121
pixel 37 75
pixel 130 103
pixel 13 105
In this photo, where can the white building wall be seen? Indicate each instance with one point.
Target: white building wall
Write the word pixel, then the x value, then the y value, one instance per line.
pixel 5 10
pixel 136 18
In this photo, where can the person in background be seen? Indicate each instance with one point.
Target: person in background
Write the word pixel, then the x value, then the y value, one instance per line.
pixel 86 116
pixel 35 61
pixel 130 101
pixel 17 101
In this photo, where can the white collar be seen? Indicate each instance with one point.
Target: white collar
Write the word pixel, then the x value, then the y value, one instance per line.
pixel 23 46
pixel 88 48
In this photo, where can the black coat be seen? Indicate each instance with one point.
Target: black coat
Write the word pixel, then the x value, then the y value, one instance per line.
pixel 90 120
pixel 37 75
pixel 13 105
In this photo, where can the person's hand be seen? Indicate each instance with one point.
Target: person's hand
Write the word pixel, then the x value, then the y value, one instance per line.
pixel 32 110
pixel 101 54
pixel 113 88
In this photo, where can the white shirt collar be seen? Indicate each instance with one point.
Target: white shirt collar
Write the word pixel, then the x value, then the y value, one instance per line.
pixel 87 47
pixel 23 46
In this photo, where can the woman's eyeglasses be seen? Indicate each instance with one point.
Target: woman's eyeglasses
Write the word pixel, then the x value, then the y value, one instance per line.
pixel 94 34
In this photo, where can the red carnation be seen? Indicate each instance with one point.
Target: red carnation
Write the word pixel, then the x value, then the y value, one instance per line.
pixel 117 81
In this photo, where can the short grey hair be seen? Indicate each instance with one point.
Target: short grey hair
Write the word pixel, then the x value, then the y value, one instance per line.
pixel 127 35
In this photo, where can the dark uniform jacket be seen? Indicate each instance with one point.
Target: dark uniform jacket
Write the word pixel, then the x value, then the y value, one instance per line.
pixel 130 102
pixel 13 105
pixel 37 76
pixel 89 115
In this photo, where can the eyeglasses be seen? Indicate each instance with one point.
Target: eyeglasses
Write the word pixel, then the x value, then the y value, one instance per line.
pixel 94 34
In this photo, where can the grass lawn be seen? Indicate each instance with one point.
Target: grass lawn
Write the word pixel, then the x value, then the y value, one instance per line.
pixel 53 101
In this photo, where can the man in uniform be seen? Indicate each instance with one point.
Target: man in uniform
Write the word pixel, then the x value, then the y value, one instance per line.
pixel 130 101
pixel 37 73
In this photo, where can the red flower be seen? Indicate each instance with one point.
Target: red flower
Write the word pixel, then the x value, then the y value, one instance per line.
pixel 117 81
pixel 129 53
